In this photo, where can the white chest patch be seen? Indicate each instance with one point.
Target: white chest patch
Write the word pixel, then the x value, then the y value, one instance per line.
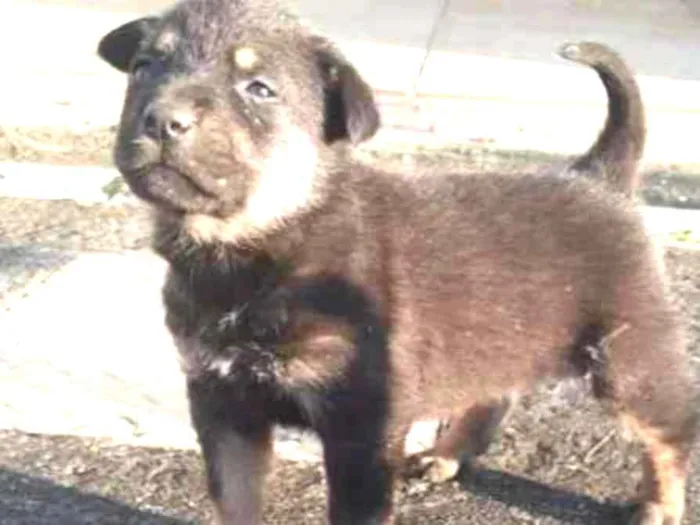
pixel 196 359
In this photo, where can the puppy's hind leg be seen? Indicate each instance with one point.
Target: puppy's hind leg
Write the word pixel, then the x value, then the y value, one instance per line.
pixel 467 436
pixel 647 377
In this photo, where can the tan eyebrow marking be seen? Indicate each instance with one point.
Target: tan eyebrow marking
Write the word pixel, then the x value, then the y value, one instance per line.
pixel 245 58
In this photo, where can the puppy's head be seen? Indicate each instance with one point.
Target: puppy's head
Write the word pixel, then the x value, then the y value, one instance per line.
pixel 230 113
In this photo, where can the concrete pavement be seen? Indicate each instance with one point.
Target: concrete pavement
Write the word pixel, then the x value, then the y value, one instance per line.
pixel 490 77
pixel 100 363
pixel 503 28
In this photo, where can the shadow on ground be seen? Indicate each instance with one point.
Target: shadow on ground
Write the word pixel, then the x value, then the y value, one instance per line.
pixel 544 500
pixel 28 500
pixel 34 256
pixel 20 264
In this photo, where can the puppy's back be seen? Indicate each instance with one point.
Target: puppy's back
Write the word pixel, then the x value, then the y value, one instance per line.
pixel 492 275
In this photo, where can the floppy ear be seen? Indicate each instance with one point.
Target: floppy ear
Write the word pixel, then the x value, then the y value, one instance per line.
pixel 119 46
pixel 350 110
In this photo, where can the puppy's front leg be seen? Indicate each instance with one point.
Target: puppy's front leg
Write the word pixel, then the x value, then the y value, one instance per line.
pixel 358 459
pixel 236 445
pixel 359 484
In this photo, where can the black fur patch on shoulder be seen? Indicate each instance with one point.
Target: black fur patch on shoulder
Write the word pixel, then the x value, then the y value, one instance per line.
pixel 236 307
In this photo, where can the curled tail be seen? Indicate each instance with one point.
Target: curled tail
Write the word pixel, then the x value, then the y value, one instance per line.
pixel 615 155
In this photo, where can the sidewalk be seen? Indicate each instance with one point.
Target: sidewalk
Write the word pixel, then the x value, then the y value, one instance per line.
pixel 491 77
pixel 100 363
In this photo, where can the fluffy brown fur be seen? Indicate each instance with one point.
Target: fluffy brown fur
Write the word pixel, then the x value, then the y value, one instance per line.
pixel 305 289
pixel 613 159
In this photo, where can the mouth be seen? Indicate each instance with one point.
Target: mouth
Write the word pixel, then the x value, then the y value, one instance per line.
pixel 168 188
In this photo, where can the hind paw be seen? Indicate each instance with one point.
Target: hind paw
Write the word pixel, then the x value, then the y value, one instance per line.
pixel 434 469
pixel 440 470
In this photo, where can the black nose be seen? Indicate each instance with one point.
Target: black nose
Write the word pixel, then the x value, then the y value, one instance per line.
pixel 167 124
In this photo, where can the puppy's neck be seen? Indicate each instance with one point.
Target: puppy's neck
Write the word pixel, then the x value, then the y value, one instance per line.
pixel 215 274
pixel 216 251
pixel 200 240
pixel 295 181
pixel 175 240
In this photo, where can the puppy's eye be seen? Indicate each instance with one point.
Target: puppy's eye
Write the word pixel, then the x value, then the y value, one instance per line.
pixel 141 66
pixel 259 90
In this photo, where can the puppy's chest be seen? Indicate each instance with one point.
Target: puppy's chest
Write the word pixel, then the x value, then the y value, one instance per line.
pixel 280 335
pixel 228 331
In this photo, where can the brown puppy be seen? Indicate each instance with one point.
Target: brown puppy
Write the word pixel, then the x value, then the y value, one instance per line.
pixel 613 159
pixel 305 289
